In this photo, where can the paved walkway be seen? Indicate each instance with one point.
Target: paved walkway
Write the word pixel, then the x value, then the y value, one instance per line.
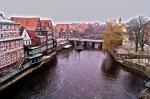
pixel 129 48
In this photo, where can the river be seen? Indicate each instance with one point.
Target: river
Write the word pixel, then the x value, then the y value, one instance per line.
pixel 73 75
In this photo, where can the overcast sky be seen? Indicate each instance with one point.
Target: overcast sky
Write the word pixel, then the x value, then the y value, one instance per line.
pixel 76 10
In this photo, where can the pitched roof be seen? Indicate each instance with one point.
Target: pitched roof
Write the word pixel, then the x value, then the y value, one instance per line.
pixel 46 24
pixel 147 22
pixel 62 28
pixel 25 35
pixel 4 20
pixel 28 23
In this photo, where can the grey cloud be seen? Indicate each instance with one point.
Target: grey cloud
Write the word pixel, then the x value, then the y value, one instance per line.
pixel 76 10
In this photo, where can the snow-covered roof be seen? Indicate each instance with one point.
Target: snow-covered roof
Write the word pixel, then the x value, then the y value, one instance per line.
pixel 88 40
pixel 5 20
pixel 41 36
pixel 25 35
pixel 35 47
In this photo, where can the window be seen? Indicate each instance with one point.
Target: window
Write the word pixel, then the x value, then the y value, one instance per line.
pixel 2 59
pixel 49 37
pixel 44 39
pixel 7 45
pixel 12 27
pixel 1 48
pixel 1 35
pixel 50 32
pixel 13 56
pixel 17 27
pixel 21 53
pixel 21 43
pixel 41 40
pixel 12 34
pixel 4 27
pixel 12 45
pixel 1 52
pixel 8 57
pixel 7 26
pixel 26 42
pixel 18 54
pixel 1 27
pixel 17 43
pixel 1 44
pixel 30 42
pixel 7 35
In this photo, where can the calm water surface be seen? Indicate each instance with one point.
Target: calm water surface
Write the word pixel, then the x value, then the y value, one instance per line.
pixel 74 75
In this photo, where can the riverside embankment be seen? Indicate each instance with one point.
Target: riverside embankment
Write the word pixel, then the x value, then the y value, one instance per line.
pixel 73 75
pixel 18 74
pixel 136 61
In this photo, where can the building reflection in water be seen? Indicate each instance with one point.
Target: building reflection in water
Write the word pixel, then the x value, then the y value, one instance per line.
pixel 35 83
pixel 85 75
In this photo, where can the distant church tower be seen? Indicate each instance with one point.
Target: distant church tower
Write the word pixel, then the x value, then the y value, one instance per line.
pixel 120 20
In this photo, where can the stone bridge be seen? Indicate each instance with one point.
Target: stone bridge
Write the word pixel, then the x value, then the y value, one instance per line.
pixel 86 42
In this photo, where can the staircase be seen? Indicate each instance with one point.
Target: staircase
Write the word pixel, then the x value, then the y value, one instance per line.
pixel 19 63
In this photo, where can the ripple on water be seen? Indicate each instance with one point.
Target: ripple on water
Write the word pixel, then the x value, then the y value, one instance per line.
pixel 80 76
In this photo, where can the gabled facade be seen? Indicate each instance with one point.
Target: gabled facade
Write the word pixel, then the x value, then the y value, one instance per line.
pixel 148 32
pixel 11 43
pixel 62 30
pixel 40 32
pixel 47 30
pixel 33 27
pixel 26 38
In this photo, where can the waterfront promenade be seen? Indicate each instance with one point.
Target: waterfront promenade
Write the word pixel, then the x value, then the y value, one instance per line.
pixel 78 75
pixel 138 61
pixel 17 74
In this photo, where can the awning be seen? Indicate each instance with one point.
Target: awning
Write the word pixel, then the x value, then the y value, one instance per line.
pixel 36 55
pixel 67 46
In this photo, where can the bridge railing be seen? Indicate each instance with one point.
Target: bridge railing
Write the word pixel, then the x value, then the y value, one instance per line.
pixel 86 40
pixel 133 56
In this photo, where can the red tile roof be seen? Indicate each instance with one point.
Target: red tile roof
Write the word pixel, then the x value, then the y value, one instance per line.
pixel 28 23
pixel 62 28
pixel 46 24
pixel 81 27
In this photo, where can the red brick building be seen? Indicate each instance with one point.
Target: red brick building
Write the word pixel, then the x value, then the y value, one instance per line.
pixel 11 43
pixel 62 31
pixel 148 32
pixel 47 30
pixel 33 27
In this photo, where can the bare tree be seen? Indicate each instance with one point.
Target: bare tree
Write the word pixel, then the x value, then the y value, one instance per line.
pixel 138 32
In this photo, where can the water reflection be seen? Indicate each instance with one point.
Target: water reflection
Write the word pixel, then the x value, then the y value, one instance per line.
pixel 73 75
pixel 132 83
pixel 111 72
